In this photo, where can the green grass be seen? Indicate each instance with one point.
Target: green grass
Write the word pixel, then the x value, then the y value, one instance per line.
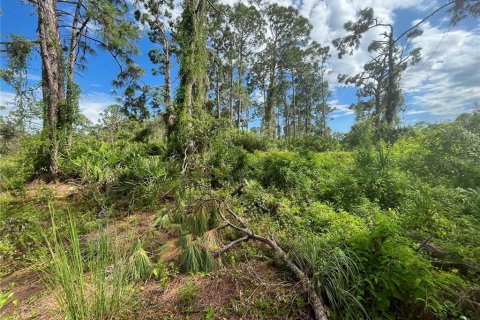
pixel 97 286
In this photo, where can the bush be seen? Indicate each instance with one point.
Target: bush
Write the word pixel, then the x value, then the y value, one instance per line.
pixel 310 143
pixel 283 170
pixel 250 141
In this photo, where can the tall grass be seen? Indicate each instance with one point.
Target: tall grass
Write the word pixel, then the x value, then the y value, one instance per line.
pixel 91 284
pixel 334 273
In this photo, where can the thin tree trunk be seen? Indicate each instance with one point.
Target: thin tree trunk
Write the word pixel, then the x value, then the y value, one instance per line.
pixel 271 102
pixel 391 90
pixel 294 107
pixel 286 112
pixel 324 107
pixel 307 117
pixel 167 96
pixel 217 90
pixel 239 101
pixel 230 106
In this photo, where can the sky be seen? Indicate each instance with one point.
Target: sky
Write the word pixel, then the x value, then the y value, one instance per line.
pixel 444 84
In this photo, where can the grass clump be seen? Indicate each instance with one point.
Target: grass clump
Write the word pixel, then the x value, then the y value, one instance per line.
pixel 187 293
pixel 92 283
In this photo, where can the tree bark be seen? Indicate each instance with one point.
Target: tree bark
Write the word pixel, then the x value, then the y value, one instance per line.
pixel 270 104
pixel 217 91
pixel 294 106
pixel 53 86
pixel 230 105
pixel 72 57
pixel 392 94
pixel 240 78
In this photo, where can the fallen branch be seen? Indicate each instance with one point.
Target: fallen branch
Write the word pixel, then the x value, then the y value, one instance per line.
pixel 229 246
pixel 315 299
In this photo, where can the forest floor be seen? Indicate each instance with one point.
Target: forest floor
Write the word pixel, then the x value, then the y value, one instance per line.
pixel 240 288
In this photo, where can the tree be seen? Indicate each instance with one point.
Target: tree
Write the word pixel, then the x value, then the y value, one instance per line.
pixel 189 112
pixel 156 14
pixel 287 29
pixel 380 79
pixel 103 22
pixel 314 92
pixel 18 51
pixel 111 119
pixel 247 27
pixel 463 8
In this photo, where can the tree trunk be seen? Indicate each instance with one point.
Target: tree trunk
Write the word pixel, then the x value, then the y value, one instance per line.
pixel 307 117
pixel 230 105
pixel 294 107
pixel 217 91
pixel 271 102
pixel 239 101
pixel 53 87
pixel 72 96
pixel 324 106
pixel 392 93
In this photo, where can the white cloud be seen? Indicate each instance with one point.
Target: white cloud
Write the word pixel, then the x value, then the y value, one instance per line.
pixel 93 103
pixel 446 82
pixel 6 99
pixel 411 112
pixel 340 109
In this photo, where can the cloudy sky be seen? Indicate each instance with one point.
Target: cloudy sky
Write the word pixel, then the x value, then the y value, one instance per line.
pixel 445 83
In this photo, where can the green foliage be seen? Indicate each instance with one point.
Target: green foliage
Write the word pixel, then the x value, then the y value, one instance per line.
pixel 187 293
pixel 5 296
pixel 310 143
pixel 160 272
pixel 381 180
pixel 335 274
pixel 250 141
pixel 440 154
pixel 105 294
pixel 194 258
pixel 139 264
pixel 354 221
pixel 284 171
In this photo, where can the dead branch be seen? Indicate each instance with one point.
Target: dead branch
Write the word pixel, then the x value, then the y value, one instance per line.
pixel 229 246
pixel 315 299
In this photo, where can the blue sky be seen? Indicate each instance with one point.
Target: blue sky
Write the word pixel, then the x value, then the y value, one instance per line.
pixel 444 84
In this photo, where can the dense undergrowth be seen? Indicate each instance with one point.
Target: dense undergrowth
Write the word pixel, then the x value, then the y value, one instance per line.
pixel 385 229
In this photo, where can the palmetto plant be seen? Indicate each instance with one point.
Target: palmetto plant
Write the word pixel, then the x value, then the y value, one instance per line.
pixel 194 220
pixel 139 264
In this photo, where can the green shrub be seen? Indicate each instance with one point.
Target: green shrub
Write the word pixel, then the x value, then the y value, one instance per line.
pixel 194 258
pixel 335 274
pixel 249 140
pixel 310 143
pixel 282 170
pixel 187 293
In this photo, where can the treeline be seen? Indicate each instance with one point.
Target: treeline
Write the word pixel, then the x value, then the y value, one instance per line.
pixel 247 64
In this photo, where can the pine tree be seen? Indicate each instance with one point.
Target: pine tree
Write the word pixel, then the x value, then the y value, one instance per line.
pixel 380 79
